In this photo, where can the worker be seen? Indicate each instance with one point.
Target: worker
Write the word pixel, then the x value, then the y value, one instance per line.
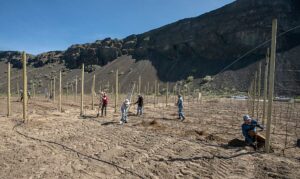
pixel 124 111
pixel 22 96
pixel 180 108
pixel 249 130
pixel 140 103
pixel 104 104
pixel 46 93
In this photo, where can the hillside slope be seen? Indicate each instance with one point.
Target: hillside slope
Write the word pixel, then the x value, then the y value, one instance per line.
pixel 199 46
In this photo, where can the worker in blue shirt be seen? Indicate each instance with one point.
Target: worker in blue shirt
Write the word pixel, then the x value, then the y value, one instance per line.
pixel 249 130
pixel 180 108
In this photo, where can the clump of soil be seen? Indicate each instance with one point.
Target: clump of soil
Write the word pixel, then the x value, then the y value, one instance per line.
pixel 154 122
pixel 212 137
pixel 194 133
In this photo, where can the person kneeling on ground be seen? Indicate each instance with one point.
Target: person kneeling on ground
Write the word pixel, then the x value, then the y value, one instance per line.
pixel 180 108
pixel 124 110
pixel 249 130
pixel 140 103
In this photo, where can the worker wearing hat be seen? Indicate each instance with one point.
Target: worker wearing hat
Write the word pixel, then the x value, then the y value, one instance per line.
pixel 249 129
pixel 180 108
pixel 124 110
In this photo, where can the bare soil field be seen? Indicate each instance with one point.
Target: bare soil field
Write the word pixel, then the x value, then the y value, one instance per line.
pixel 155 145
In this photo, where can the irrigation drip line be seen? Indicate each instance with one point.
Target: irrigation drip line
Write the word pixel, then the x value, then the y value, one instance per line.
pixel 66 148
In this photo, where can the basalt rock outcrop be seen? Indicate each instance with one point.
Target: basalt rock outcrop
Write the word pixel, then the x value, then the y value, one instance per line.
pixel 198 46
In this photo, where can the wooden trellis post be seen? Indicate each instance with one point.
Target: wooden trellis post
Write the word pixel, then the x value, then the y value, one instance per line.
pixel 158 91
pixel 33 89
pixel 167 94
pixel 8 89
pixel 271 84
pixel 54 89
pixel 108 87
pixel 60 93
pixel 76 88
pixel 93 91
pixel 82 90
pixel 24 86
pixel 249 101
pixel 155 92
pixel 67 94
pixel 266 86
pixel 148 87
pixel 18 89
pixel 117 90
pixel 258 89
pixel 51 88
pixel 254 95
pixel 72 88
pixel 140 83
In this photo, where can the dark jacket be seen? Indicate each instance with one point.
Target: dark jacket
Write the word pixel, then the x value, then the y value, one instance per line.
pixel 140 101
pixel 246 128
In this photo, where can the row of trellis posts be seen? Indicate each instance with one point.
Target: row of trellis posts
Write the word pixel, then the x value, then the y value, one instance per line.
pixel 52 91
pixel 254 90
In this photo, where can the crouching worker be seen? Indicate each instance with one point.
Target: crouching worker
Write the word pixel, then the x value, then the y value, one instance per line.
pixel 252 138
pixel 140 103
pixel 124 110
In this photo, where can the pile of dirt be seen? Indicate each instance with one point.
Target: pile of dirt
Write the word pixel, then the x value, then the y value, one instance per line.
pixel 236 143
pixel 154 124
pixel 194 133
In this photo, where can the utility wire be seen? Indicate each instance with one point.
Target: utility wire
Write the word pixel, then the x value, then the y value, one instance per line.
pixel 257 47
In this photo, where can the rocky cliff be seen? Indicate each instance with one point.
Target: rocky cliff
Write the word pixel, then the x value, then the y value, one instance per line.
pixel 198 46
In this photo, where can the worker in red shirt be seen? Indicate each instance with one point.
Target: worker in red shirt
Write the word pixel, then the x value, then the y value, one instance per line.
pixel 104 102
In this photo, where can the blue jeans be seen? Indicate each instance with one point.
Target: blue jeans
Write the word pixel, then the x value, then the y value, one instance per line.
pixel 180 112
pixel 139 110
pixel 124 115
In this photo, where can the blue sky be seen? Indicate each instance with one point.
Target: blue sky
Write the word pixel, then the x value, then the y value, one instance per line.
pixel 37 26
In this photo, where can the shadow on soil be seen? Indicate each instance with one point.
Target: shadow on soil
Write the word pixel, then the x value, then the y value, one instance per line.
pixel 108 123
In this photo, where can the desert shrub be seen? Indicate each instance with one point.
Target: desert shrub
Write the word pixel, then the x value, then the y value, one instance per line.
pixel 189 79
pixel 207 79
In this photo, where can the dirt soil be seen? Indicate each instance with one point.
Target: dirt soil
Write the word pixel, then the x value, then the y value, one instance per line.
pixel 155 145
